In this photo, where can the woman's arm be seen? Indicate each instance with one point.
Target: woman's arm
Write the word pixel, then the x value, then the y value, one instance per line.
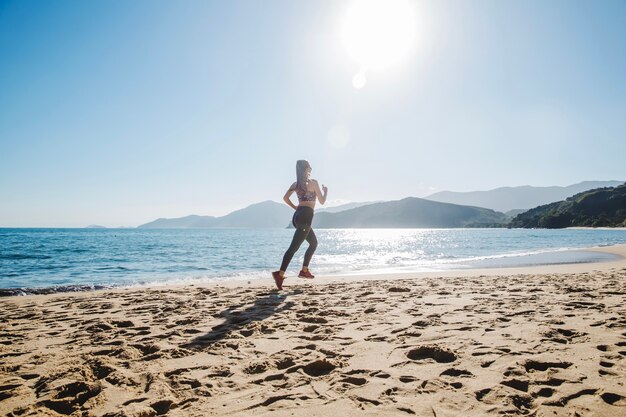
pixel 287 196
pixel 320 196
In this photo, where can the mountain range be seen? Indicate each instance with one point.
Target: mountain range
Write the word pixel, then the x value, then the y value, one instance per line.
pixel 505 199
pixel 408 212
pixel 343 207
pixel 265 214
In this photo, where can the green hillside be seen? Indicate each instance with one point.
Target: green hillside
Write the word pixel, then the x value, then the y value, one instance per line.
pixel 602 207
pixel 411 212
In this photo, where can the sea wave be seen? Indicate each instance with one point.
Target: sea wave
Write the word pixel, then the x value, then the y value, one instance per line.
pixel 21 256
pixel 75 259
pixel 7 292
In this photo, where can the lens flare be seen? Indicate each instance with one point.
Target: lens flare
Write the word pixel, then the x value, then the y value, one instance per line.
pixel 339 136
pixel 359 80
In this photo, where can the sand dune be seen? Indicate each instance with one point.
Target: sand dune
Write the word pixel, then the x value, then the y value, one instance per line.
pixel 537 344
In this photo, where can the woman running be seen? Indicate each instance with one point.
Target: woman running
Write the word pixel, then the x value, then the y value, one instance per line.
pixel 307 191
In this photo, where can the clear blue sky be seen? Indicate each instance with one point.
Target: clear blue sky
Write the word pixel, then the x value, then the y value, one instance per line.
pixel 118 112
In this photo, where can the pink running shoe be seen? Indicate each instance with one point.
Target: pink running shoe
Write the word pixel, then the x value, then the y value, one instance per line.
pixel 306 274
pixel 278 279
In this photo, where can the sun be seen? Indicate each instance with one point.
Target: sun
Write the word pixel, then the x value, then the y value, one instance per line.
pixel 378 34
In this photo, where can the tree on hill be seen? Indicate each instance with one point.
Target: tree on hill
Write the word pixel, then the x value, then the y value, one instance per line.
pixel 602 207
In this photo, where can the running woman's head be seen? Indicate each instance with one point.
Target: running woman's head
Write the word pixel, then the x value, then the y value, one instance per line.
pixel 303 170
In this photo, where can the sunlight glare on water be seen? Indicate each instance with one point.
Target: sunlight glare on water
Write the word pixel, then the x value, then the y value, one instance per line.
pixel 49 257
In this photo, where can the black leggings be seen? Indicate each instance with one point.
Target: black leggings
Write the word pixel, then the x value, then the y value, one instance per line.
pixel 302 219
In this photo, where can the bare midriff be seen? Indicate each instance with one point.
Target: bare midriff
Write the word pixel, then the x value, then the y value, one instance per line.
pixel 307 204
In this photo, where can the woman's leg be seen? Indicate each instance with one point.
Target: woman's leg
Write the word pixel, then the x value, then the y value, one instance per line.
pixel 312 239
pixel 298 237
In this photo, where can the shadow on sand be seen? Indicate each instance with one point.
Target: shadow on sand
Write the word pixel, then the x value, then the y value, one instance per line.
pixel 236 320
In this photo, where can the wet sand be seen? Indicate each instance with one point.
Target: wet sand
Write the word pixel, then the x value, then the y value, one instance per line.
pixel 537 341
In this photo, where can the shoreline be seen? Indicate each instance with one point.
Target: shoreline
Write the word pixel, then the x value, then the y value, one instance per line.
pixel 619 251
pixel 595 228
pixel 541 341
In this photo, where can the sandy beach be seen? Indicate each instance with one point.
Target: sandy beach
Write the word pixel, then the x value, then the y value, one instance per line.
pixel 537 341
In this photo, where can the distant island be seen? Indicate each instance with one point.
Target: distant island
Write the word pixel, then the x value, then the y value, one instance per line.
pixel 95 226
pixel 602 207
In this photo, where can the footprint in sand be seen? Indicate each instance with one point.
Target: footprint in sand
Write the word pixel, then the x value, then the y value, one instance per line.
pixel 352 380
pixel 544 392
pixel 184 383
pixel 562 402
pixel 563 336
pixel 319 368
pixel 502 396
pixel 162 406
pixel 456 373
pixel 518 384
pixel 604 372
pixel 439 354
pixel 8 390
pixel 123 323
pixel 71 397
pixel 536 365
pixel 100 367
pixel 256 367
pixel 613 399
pixel 375 338
pixel 147 349
pixel 312 319
pixel 606 364
pixel 284 362
pixel 398 289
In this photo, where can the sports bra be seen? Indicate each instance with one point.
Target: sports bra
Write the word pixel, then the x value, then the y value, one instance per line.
pixel 304 196
pixel 308 196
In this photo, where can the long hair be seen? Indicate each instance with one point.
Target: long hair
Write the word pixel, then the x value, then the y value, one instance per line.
pixel 301 181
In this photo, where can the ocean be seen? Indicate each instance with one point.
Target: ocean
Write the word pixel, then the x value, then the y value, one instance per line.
pixel 62 259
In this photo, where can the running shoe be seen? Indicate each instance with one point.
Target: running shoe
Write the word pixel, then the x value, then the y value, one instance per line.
pixel 278 279
pixel 306 274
